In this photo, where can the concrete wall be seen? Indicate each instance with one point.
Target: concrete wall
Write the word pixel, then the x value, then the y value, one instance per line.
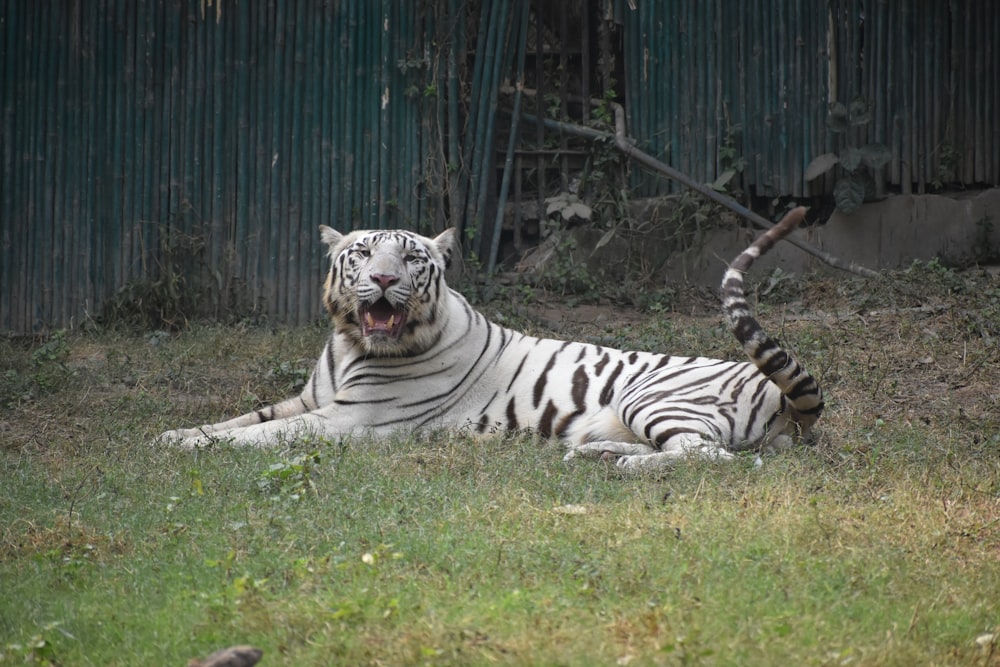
pixel 884 235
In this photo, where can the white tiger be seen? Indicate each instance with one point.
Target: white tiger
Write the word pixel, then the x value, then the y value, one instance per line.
pixel 409 353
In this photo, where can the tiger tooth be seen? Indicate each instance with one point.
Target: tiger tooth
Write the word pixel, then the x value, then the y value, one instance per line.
pixel 392 320
pixel 369 320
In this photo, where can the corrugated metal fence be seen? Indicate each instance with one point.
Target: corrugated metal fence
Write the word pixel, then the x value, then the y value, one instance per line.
pixel 185 143
pixel 133 130
pixel 190 147
pixel 709 80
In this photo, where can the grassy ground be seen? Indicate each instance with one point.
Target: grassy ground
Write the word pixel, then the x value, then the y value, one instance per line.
pixel 878 546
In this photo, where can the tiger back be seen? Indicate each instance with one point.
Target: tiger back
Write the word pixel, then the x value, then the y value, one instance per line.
pixel 407 352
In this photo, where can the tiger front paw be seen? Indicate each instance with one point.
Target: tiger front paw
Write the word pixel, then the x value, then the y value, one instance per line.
pixel 184 438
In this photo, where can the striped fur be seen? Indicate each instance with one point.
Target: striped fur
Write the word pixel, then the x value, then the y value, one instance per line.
pixel 406 352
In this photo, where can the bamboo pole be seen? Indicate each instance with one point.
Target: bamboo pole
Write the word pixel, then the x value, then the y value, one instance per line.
pixel 482 115
pixel 352 37
pixel 486 175
pixel 9 260
pixel 456 166
pixel 307 162
pixel 522 39
pixel 385 105
pixel 242 105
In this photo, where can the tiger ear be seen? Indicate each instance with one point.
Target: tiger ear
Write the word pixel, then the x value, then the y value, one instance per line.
pixel 330 236
pixel 445 243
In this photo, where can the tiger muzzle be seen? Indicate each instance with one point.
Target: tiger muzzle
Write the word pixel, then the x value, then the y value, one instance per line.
pixel 381 318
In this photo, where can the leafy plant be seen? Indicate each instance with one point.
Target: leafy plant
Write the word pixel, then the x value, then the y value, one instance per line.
pixel 947 165
pixel 38 650
pixel 568 206
pixel 289 478
pixel 48 371
pixel 292 374
pixel 49 361
pixel 604 113
pixel 568 273
pixel 985 250
pixel 860 162
pixel 182 286
pixel 731 161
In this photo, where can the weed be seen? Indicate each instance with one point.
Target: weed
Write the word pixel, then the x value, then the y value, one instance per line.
pixel 39 649
pixel 935 278
pixel 46 372
pixel 568 274
pixel 170 298
pixel 948 161
pixel 731 161
pixel 985 250
pixel 182 286
pixel 291 375
pixel 859 162
pixel 49 362
pixel 289 478
pixel 779 286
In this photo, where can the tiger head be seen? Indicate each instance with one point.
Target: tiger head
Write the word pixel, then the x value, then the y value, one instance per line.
pixel 386 289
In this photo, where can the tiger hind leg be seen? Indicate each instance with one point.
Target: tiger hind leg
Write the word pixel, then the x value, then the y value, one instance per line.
pixel 605 449
pixel 636 457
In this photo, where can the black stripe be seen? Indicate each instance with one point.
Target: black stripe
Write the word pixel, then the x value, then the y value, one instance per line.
pixel 545 423
pixel 734 285
pixel 804 386
pixel 517 372
pixel 601 364
pixel 536 397
pixel 664 360
pixel 331 366
pixel 581 382
pixel 744 329
pixel 340 401
pixel 483 423
pixel 816 410
pixel 776 363
pixel 608 391
pixel 565 423
pixel 757 401
pixel 512 422
pixel 315 386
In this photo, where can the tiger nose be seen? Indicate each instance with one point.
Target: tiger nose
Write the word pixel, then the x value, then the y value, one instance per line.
pixel 384 281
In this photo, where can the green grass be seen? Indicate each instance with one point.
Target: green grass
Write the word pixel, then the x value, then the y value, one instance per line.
pixel 879 546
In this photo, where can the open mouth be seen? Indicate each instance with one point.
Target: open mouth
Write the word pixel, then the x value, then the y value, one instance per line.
pixel 381 318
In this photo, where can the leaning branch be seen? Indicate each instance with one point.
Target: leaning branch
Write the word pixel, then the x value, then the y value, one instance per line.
pixel 626 146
